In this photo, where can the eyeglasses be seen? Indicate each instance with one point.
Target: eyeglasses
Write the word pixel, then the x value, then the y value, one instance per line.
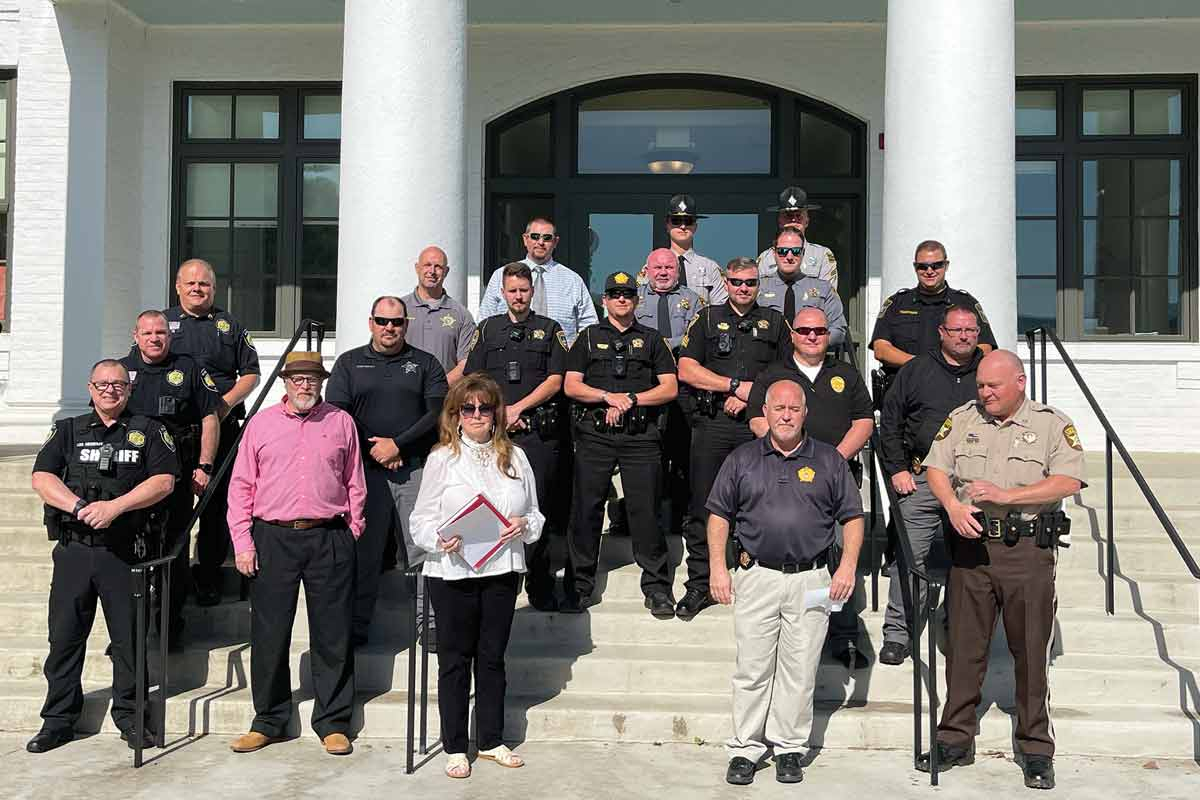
pixel 783 251
pixel 110 386
pixel 542 237
pixel 395 322
pixel 929 266
pixel 470 409
pixel 681 222
pixel 751 282
pixel 961 331
pixel 805 330
pixel 304 380
pixel 620 294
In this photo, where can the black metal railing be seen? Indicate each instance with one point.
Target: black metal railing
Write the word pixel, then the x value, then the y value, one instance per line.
pixel 143 572
pixel 911 580
pixel 1111 440
pixel 420 621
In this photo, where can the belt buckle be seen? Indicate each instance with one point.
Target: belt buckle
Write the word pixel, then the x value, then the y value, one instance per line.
pixel 995 528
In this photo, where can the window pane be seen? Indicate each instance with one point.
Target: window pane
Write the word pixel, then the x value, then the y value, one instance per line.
pixel 209 116
pixel 1106 112
pixel 1037 247
pixel 617 241
pixel 1156 247
pixel 511 216
pixel 675 131
pixel 323 116
pixel 1037 188
pixel 1158 111
pixel 1106 247
pixel 321 190
pixel 256 190
pixel 207 190
pixel 257 116
pixel 1156 187
pixel 1106 188
pixel 722 237
pixel 209 240
pixel 524 149
pixel 833 226
pixel 1037 304
pixel 1105 307
pixel 1037 112
pixel 318 272
pixel 1156 306
pixel 254 274
pixel 824 148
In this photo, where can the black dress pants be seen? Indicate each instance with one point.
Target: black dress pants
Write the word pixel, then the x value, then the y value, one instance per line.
pixel 323 559
pixel 712 440
pixel 544 459
pixel 212 539
pixel 639 458
pixel 474 622
pixel 83 574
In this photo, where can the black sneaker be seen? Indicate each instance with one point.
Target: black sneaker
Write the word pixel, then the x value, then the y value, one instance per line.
pixel 148 737
pixel 1039 772
pixel 948 756
pixel 661 605
pixel 740 771
pixel 693 602
pixel 893 653
pixel 787 768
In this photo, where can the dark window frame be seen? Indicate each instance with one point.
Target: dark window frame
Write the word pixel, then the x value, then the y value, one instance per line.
pixel 9 76
pixel 290 151
pixel 1072 148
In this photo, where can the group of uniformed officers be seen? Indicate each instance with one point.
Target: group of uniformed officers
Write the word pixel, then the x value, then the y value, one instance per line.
pixel 720 390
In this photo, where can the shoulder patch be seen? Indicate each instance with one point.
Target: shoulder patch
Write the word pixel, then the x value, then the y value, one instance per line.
pixel 944 431
pixel 474 340
pixel 167 439
pixel 561 336
pixel 207 380
pixel 249 340
pixel 886 305
pixel 829 257
pixel 50 435
pixel 982 317
pixel 1072 437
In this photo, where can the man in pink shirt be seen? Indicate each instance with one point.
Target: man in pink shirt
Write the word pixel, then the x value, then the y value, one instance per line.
pixel 295 510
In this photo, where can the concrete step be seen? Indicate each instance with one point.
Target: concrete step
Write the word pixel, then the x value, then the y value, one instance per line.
pixel 1135 522
pixel 16 472
pixel 692 718
pixel 1169 489
pixel 20 505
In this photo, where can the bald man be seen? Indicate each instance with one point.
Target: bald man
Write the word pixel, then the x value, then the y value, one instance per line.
pixel 222 346
pixel 437 323
pixel 1000 466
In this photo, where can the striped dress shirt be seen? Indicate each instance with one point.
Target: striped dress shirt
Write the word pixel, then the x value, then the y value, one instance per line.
pixel 568 301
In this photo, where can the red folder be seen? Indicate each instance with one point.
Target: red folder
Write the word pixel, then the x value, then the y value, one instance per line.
pixel 474 523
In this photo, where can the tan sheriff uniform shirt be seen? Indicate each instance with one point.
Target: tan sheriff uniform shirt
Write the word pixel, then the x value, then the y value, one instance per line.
pixel 1039 441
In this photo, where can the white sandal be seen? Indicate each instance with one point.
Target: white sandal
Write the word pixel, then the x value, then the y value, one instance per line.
pixel 502 756
pixel 457 766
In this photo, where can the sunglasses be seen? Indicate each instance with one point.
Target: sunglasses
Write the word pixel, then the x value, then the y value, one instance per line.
pixel 682 222
pixel 395 322
pixel 470 409
pixel 620 294
pixel 542 237
pixel 110 386
pixel 783 251
pixel 751 282
pixel 304 380
pixel 929 266
pixel 805 330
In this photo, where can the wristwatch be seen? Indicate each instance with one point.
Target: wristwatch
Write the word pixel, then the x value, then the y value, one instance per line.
pixel 734 383
pixel 633 397
pixel 207 469
pixel 79 506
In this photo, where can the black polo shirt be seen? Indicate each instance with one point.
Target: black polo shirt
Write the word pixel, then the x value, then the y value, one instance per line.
pixel 785 508
pixel 909 319
pixel 836 398
pixel 597 348
pixel 217 342
pixel 176 391
pixel 397 396
pixel 536 345
pixel 753 340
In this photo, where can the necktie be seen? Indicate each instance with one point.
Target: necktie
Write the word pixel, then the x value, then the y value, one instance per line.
pixel 789 304
pixel 538 306
pixel 682 272
pixel 664 315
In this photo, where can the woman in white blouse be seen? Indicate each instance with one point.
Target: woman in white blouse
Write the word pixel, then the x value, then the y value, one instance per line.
pixel 474 607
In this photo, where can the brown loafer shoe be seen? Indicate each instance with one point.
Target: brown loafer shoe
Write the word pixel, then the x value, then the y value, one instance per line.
pixel 249 742
pixel 336 744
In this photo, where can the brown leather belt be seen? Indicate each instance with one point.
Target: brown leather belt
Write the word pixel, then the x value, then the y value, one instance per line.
pixel 304 524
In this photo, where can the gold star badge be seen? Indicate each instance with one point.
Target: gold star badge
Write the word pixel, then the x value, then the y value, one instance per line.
pixel 837 383
pixel 806 474
pixel 621 278
pixel 448 321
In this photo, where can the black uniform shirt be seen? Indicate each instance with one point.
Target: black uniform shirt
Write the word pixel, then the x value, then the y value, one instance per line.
pixel 835 399
pixel 136 456
pixel 537 346
pixel 398 396
pixel 926 390
pixel 175 391
pixel 909 319
pixel 597 349
pixel 784 508
pixel 753 341
pixel 217 341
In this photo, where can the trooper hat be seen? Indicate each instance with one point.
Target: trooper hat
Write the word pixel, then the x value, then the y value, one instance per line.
pixel 793 198
pixel 683 205
pixel 301 362
pixel 620 280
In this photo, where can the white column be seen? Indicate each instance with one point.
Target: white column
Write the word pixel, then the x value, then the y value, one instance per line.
pixel 403 173
pixel 949 148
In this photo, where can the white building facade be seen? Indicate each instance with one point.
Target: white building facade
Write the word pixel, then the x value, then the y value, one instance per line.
pixel 311 148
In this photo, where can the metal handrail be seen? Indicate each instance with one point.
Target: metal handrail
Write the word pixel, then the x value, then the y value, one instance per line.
pixel 419 630
pixel 915 619
pixel 1111 440
pixel 141 571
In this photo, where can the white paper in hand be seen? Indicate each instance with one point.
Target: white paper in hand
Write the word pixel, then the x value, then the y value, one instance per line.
pixel 478 524
pixel 814 598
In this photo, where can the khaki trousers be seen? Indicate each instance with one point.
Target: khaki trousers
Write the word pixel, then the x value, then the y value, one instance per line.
pixel 778 650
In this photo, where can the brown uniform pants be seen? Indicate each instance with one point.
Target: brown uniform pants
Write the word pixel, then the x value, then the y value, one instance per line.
pixel 989 577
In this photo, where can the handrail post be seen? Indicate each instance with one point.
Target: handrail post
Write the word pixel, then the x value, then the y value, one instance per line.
pixel 164 622
pixel 915 640
pixel 1045 382
pixel 139 666
pixel 872 545
pixel 410 742
pixel 1110 547
pixel 930 608
pixel 1029 342
pixel 424 663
